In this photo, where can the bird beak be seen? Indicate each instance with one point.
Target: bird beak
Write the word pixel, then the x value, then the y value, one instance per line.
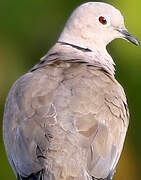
pixel 129 37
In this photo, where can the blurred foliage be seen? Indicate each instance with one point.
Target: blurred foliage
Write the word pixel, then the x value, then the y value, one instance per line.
pixel 29 28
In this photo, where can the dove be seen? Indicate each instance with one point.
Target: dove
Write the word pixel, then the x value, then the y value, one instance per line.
pixel 67 118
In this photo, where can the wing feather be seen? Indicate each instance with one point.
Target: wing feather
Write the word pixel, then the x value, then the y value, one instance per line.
pixel 62 116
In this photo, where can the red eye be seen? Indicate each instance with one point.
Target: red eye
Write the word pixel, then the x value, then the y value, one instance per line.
pixel 102 20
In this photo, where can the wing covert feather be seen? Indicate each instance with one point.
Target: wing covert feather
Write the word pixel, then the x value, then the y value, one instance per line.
pixel 70 111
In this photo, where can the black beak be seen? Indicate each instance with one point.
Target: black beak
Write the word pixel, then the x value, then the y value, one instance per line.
pixel 129 37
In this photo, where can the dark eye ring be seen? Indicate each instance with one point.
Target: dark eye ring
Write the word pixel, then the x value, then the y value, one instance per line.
pixel 102 20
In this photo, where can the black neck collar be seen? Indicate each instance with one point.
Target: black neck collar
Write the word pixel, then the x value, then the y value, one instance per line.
pixel 75 46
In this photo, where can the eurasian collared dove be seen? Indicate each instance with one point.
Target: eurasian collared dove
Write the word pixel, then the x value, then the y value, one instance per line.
pixel 66 119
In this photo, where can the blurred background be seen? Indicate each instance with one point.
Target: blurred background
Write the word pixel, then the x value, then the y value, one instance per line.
pixel 29 28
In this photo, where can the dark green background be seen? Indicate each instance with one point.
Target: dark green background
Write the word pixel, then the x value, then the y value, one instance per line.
pixel 28 28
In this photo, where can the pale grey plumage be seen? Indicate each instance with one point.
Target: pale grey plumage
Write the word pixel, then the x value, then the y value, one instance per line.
pixel 67 118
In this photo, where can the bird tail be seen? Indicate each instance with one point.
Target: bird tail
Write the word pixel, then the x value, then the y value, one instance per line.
pixel 35 176
pixel 44 175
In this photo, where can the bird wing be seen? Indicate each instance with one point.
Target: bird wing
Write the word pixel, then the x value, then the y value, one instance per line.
pixel 111 123
pixel 65 117
pixel 101 116
pixel 25 136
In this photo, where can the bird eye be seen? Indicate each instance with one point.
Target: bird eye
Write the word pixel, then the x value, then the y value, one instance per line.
pixel 102 20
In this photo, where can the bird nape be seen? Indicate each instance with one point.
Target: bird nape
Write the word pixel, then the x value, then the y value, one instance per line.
pixel 68 116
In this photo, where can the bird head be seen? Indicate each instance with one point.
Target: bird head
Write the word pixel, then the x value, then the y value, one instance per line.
pixel 94 25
